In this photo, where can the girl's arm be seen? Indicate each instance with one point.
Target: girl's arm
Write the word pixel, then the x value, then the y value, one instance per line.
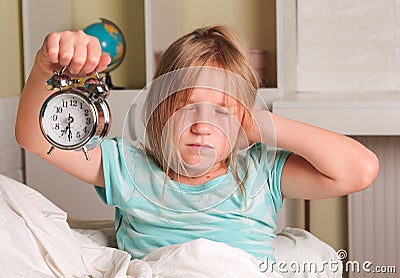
pixel 323 164
pixel 82 54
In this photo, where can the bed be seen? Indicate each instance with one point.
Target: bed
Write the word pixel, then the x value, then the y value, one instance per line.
pixel 38 241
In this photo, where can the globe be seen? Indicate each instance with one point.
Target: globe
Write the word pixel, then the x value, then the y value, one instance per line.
pixel 112 42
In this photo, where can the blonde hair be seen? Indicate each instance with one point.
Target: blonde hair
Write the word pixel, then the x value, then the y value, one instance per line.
pixel 218 45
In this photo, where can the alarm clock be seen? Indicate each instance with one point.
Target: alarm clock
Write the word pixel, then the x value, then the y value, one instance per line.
pixel 76 116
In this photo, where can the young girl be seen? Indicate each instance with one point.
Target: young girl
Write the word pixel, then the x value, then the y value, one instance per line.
pixel 189 180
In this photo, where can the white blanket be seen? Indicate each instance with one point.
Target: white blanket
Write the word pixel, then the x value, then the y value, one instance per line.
pixel 36 241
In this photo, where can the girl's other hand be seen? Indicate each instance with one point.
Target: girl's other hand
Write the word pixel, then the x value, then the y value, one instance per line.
pixel 250 130
pixel 258 126
pixel 81 53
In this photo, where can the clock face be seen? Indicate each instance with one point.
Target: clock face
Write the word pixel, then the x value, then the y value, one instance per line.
pixel 68 120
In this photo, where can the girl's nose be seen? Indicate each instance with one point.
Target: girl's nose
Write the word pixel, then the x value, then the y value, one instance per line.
pixel 201 128
pixel 201 119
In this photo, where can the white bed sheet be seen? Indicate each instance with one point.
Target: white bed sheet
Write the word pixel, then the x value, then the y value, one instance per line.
pixel 36 241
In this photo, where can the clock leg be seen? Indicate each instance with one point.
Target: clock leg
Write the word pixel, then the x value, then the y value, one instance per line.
pixel 50 151
pixel 85 150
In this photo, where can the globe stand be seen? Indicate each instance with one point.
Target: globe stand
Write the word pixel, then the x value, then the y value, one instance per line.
pixel 110 84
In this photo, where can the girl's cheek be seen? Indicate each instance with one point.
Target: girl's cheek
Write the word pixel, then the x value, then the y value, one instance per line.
pixel 232 128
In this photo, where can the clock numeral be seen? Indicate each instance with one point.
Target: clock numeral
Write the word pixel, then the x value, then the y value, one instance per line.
pixel 87 112
pixel 65 103
pixel 57 126
pixel 73 102
pixel 54 117
pixel 88 121
pixel 85 130
pixel 58 109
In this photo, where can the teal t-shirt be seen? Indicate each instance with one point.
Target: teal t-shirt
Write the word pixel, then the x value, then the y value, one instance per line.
pixel 153 211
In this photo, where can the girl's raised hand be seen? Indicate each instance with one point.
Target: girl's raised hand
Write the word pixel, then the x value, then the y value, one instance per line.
pixel 250 130
pixel 259 127
pixel 81 53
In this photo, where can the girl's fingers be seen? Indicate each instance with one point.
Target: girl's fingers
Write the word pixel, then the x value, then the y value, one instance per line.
pixel 80 56
pixel 93 56
pixel 66 52
pixel 51 47
pixel 105 60
pixel 78 51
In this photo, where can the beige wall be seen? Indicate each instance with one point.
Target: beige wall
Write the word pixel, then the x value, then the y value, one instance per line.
pixel 11 78
pixel 328 220
pixel 254 19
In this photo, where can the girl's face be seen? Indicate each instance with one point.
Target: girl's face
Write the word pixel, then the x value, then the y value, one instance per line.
pixel 206 129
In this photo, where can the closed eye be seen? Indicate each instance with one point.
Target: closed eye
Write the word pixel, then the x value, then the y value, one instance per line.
pixel 190 107
pixel 222 111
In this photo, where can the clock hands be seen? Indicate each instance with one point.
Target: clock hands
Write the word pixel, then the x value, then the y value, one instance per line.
pixel 69 120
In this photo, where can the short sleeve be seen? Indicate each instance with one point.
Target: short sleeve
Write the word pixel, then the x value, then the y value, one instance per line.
pixel 280 160
pixel 118 184
pixel 268 165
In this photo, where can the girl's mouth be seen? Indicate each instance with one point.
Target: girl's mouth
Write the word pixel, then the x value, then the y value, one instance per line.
pixel 198 146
